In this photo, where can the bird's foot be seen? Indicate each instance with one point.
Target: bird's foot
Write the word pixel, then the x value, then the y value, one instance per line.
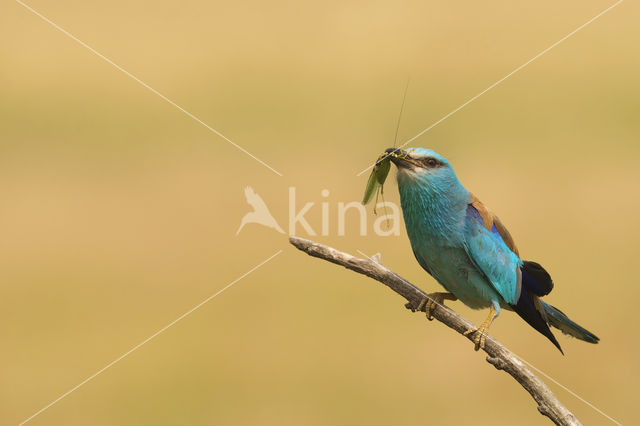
pixel 482 331
pixel 479 339
pixel 432 300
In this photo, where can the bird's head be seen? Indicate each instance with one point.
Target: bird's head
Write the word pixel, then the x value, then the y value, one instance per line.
pixel 427 175
pixel 421 165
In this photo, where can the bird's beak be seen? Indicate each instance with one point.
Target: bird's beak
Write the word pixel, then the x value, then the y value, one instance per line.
pixel 399 157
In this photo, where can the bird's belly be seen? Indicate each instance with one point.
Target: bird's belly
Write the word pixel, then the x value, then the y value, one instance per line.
pixel 451 267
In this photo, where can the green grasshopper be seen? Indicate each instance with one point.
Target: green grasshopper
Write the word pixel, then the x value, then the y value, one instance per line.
pixel 378 176
pixel 376 180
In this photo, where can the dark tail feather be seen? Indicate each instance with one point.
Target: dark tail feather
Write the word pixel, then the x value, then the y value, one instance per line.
pixel 536 278
pixel 560 321
pixel 537 282
pixel 530 310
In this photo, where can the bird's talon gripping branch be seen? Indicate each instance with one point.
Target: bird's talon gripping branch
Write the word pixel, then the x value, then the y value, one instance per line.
pixel 475 340
pixel 427 310
pixel 479 339
pixel 482 331
pixel 437 298
pixel 432 299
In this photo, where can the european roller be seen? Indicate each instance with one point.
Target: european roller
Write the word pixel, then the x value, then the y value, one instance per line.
pixel 469 251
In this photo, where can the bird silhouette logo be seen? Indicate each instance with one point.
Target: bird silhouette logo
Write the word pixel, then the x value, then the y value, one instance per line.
pixel 260 213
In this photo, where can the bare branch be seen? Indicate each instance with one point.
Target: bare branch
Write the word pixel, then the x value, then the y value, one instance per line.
pixel 498 355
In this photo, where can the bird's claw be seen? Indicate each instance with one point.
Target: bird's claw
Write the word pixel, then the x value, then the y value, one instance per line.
pixel 427 303
pixel 481 332
pixel 480 337
pixel 431 300
pixel 429 308
pixel 421 304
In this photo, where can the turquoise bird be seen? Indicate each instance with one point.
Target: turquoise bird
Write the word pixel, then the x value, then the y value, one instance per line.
pixel 469 251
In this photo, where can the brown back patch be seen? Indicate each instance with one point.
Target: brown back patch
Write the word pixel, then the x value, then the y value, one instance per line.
pixel 489 219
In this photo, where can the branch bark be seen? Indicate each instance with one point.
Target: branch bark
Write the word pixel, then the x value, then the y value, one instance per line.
pixel 497 355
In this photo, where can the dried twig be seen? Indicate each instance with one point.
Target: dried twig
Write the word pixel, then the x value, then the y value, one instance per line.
pixel 498 355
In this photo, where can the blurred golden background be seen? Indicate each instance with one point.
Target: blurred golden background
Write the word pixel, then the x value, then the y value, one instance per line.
pixel 119 212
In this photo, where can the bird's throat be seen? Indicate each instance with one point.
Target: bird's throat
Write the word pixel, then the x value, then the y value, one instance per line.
pixel 432 210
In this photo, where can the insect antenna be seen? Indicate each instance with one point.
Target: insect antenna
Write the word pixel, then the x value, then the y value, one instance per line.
pixel 404 97
pixel 395 141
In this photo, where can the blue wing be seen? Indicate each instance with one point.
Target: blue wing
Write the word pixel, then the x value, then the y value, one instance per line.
pixel 520 283
pixel 492 256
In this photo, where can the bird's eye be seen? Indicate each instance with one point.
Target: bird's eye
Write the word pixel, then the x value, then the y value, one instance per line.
pixel 431 162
